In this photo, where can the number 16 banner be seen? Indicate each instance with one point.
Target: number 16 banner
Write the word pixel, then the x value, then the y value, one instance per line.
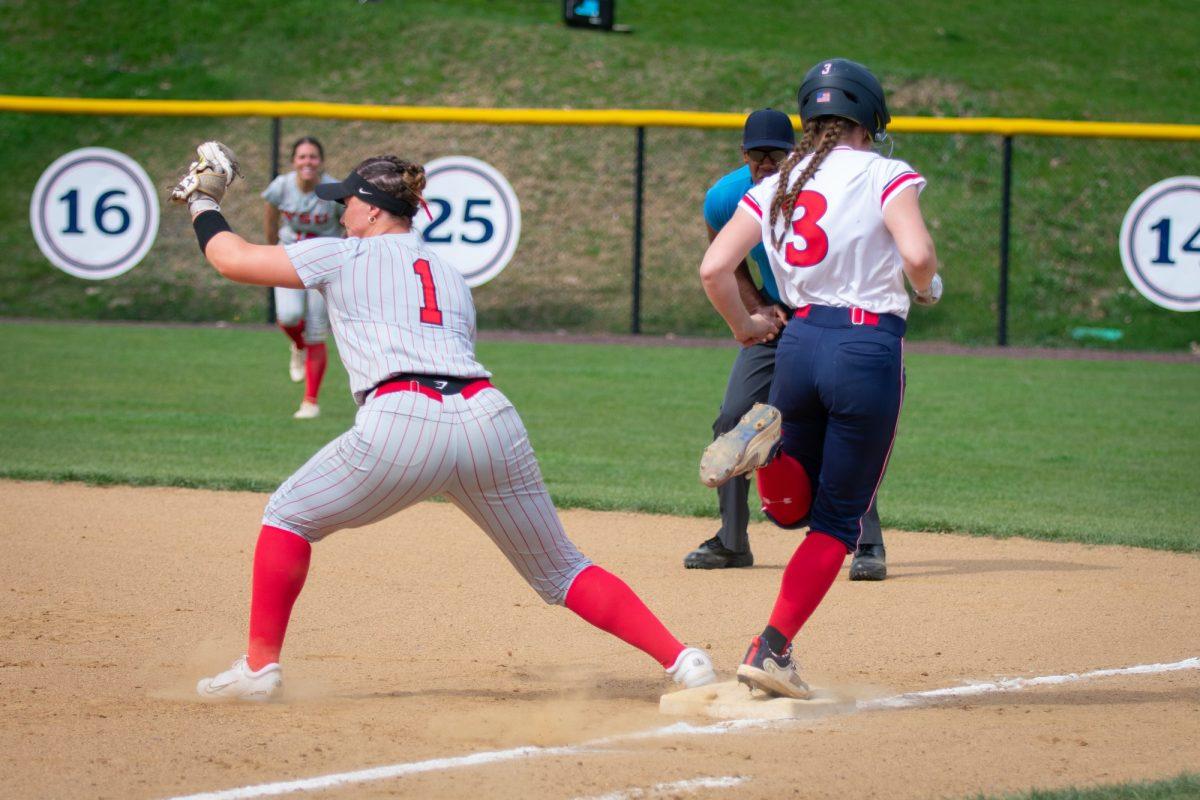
pixel 94 213
pixel 476 219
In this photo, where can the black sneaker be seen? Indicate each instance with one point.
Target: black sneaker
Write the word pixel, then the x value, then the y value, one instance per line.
pixel 714 555
pixel 869 564
pixel 772 673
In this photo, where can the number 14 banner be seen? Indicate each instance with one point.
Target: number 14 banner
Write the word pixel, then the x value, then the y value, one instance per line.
pixel 1160 243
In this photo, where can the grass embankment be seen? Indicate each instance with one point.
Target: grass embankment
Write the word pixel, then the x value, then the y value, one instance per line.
pixel 572 268
pixel 1100 452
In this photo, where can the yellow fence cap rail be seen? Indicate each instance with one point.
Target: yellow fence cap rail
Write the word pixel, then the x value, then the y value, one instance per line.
pixel 552 116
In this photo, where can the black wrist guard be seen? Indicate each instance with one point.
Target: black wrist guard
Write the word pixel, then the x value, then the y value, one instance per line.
pixel 208 225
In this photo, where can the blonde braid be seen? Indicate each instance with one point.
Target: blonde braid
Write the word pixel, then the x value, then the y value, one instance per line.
pixel 825 133
pixel 785 172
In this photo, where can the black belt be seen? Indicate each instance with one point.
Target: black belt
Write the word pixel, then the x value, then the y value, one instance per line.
pixel 433 385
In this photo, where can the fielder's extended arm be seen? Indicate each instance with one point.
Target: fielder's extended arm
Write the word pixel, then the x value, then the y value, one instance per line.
pixel 243 262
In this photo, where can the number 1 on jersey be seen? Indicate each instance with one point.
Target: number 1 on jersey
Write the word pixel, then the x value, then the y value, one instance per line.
pixel 430 313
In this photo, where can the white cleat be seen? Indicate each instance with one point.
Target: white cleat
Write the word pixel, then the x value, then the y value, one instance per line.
pixel 693 668
pixel 307 411
pixel 749 445
pixel 239 683
pixel 296 364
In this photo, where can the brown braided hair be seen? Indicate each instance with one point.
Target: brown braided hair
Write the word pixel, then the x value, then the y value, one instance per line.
pixel 821 135
pixel 402 179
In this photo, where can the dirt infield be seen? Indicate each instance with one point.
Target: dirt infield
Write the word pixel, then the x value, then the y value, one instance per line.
pixel 416 645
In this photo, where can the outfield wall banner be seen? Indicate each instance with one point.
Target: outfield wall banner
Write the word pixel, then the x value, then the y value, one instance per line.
pixel 1160 243
pixel 94 213
pixel 474 219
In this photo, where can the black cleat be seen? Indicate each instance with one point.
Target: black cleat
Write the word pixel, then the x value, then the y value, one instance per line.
pixel 772 673
pixel 714 555
pixel 869 564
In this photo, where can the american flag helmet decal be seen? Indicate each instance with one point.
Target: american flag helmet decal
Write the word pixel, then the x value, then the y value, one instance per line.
pixel 838 87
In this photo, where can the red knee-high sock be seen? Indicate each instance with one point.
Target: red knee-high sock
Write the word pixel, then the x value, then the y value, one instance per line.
pixel 315 358
pixel 295 333
pixel 785 490
pixel 280 567
pixel 806 579
pixel 607 602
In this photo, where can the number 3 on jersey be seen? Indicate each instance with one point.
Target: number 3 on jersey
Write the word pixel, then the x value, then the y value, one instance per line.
pixel 430 313
pixel 816 243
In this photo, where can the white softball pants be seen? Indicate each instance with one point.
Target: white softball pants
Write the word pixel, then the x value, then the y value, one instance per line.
pixel 406 447
pixel 293 305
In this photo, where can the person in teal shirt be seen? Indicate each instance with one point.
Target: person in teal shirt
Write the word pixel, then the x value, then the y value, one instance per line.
pixel 767 139
pixel 722 199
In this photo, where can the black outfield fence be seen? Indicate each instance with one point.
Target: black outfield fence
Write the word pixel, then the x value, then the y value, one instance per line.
pixel 1026 213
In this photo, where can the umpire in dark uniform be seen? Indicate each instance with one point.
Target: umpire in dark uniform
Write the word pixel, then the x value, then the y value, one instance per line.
pixel 767 139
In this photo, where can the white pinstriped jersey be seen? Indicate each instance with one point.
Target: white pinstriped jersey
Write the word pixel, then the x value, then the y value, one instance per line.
pixel 302 215
pixel 394 307
pixel 837 250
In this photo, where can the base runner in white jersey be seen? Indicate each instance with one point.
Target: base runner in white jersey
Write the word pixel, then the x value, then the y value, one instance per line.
pixel 842 228
pixel 292 213
pixel 429 421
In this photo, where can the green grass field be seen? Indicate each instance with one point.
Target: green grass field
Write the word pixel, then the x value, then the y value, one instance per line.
pixel 1183 787
pixel 1099 452
pixel 1113 62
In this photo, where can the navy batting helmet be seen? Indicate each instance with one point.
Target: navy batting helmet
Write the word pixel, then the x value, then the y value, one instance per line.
pixel 842 88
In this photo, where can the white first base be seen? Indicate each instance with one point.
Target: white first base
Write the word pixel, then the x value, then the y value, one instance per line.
pixel 732 700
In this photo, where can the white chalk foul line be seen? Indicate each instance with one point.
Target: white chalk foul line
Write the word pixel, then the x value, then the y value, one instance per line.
pixel 1017 684
pixel 908 700
pixel 379 773
pixel 673 788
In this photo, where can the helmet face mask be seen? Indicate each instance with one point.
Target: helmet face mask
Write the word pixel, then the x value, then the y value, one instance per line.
pixel 839 87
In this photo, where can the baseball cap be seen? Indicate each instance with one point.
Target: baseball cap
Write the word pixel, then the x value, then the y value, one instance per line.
pixel 768 128
pixel 364 190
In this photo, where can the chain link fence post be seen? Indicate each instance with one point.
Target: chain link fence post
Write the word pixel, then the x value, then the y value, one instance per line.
pixel 275 136
pixel 1005 213
pixel 639 179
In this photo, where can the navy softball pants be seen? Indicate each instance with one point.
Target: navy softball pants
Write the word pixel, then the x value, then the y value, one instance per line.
pixel 839 383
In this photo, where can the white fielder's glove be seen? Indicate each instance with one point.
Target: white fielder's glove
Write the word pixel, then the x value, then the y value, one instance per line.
pixel 931 295
pixel 207 178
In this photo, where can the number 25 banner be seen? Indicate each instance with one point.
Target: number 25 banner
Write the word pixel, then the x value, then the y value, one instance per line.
pixel 94 213
pixel 476 217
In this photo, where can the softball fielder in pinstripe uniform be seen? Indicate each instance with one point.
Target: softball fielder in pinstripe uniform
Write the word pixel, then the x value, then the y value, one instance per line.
pixel 429 420
pixel 293 212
